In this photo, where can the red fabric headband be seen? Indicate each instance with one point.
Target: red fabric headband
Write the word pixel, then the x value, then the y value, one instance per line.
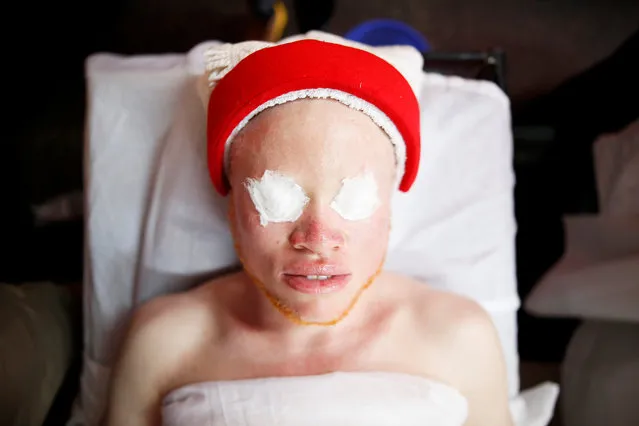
pixel 310 64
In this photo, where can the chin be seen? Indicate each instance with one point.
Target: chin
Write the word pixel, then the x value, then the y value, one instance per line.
pixel 324 302
pixel 314 301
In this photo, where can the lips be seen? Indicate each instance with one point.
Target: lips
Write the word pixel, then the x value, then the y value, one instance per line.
pixel 303 284
pixel 316 278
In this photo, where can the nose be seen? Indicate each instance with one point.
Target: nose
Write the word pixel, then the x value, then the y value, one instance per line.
pixel 316 237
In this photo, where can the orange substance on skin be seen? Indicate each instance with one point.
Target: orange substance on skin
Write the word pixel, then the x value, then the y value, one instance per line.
pixel 280 305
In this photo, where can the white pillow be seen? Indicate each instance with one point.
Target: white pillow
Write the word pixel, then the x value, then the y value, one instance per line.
pixel 155 224
pixel 598 276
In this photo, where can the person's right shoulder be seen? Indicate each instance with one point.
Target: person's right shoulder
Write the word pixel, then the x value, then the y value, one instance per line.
pixel 172 319
pixel 163 338
pixel 164 332
pixel 156 339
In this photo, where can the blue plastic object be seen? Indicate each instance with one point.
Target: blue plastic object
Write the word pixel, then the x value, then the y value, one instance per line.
pixel 387 32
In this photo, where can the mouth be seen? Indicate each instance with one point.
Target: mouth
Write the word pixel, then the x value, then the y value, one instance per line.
pixel 316 277
pixel 317 284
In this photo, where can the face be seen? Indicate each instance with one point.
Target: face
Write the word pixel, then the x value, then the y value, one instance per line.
pixel 311 183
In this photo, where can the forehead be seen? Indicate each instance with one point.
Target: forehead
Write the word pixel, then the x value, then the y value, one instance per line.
pixel 312 137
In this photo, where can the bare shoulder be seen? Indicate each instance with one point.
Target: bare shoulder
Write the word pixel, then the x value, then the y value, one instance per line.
pixel 450 327
pixel 178 323
pixel 443 314
pixel 461 329
pixel 163 331
pixel 160 337
pixel 172 313
pixel 459 345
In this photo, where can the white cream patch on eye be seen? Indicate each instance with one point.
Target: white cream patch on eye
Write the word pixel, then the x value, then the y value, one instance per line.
pixel 277 198
pixel 357 199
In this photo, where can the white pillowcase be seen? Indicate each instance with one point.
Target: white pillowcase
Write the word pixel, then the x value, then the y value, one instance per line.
pixel 155 224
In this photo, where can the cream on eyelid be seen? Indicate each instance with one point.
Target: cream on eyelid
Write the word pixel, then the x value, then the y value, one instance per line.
pixel 357 199
pixel 277 198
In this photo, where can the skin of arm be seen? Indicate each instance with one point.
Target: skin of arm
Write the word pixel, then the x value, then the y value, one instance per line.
pixel 483 379
pixel 462 348
pixel 135 393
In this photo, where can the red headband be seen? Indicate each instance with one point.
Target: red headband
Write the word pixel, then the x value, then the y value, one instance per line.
pixel 269 73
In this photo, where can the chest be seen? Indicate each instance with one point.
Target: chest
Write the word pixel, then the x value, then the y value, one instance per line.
pixel 254 356
pixel 257 357
pixel 387 345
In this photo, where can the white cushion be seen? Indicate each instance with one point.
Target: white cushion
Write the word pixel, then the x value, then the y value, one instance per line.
pixel 598 276
pixel 155 224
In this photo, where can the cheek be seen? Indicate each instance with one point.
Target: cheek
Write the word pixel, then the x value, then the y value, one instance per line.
pixel 369 238
pixel 247 218
pixel 258 244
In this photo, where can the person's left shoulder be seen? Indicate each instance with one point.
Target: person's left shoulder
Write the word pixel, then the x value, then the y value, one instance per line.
pixel 458 338
pixel 449 326
pixel 441 318
pixel 461 318
pixel 444 312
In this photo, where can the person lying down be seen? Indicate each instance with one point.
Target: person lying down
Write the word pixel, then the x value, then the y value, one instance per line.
pixel 309 140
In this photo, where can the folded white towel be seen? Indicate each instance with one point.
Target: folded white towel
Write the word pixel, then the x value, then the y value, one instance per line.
pixel 336 399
